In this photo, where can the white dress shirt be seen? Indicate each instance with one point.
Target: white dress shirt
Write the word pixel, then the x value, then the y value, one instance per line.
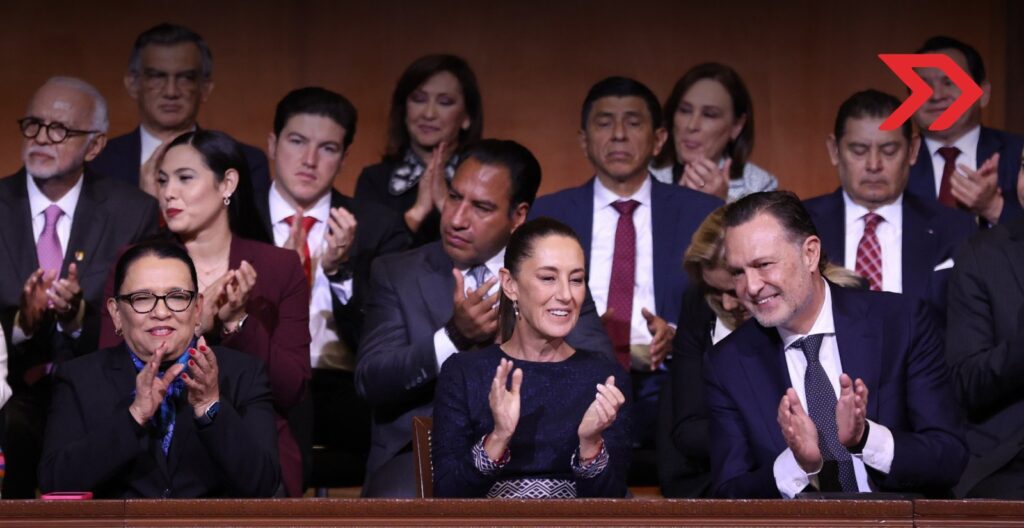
pixel 879 448
pixel 968 145
pixel 443 346
pixel 890 239
pixel 5 389
pixel 326 350
pixel 602 253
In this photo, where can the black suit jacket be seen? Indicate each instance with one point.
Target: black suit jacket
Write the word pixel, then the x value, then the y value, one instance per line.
pixel 991 141
pixel 932 234
pixel 109 215
pixel 985 347
pixel 397 366
pixel 122 158
pixel 93 443
pixel 379 231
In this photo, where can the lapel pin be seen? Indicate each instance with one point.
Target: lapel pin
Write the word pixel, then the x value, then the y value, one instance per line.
pixel 79 256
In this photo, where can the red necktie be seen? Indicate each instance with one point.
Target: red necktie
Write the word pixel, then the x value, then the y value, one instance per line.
pixel 620 289
pixel 307 224
pixel 945 188
pixel 869 253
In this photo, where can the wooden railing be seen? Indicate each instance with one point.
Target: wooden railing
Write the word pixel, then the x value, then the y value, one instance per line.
pixel 444 512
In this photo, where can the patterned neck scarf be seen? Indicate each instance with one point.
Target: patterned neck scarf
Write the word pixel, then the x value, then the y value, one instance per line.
pixel 164 419
pixel 409 172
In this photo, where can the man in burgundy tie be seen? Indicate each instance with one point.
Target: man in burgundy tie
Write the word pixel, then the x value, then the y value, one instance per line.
pixel 634 230
pixel 966 165
pixel 62 227
pixel 897 241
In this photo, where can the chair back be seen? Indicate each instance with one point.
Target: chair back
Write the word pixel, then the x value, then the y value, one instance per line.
pixel 421 427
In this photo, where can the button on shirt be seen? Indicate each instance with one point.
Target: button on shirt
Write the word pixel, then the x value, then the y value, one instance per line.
pixel 602 251
pixel 878 450
pixel 968 145
pixel 443 346
pixel 326 350
pixel 890 238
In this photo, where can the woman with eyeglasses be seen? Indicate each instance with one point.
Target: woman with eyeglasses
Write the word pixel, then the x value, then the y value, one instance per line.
pixel 162 414
pixel 255 295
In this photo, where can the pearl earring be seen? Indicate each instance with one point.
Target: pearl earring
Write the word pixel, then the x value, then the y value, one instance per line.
pixel 515 307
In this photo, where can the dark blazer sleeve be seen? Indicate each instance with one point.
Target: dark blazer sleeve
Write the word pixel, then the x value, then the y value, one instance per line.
pixel 589 333
pixel 689 408
pixel 259 170
pixel 987 367
pixel 242 440
pixel 78 456
pixel 394 361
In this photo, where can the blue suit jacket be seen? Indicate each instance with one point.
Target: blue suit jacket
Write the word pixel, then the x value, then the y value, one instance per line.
pixel 676 212
pixel 890 342
pixel 932 233
pixel 122 158
pixel 991 141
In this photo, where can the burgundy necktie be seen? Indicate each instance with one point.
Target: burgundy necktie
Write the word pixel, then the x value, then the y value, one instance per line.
pixel 51 257
pixel 620 289
pixel 307 224
pixel 945 187
pixel 869 253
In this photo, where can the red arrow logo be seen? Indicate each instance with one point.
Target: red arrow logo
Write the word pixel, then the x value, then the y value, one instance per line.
pixel 903 66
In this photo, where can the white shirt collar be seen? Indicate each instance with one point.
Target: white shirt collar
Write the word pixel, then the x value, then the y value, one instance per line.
pixel 38 202
pixel 605 197
pixel 891 213
pixel 968 143
pixel 280 209
pixel 824 324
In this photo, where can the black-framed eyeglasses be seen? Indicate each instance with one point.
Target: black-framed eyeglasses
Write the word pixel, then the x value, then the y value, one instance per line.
pixel 56 131
pixel 145 302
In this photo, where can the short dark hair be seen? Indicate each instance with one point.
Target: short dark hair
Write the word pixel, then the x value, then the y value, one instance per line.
pixel 320 102
pixel 621 87
pixel 168 35
pixel 523 168
pixel 220 153
pixel 519 248
pixel 739 149
pixel 785 207
pixel 869 103
pixel 419 72
pixel 158 247
pixel 975 66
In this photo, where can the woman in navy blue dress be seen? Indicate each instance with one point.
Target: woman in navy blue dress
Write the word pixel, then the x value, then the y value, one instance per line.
pixel 532 417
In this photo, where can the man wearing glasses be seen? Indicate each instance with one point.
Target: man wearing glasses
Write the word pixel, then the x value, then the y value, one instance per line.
pixel 170 74
pixel 61 227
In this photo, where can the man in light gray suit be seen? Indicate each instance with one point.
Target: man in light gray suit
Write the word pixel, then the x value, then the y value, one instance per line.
pixel 440 299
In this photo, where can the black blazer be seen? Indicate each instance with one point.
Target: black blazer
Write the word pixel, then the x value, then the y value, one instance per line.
pixel 991 141
pixel 372 187
pixel 121 159
pixel 378 232
pixel 109 215
pixel 397 365
pixel 93 443
pixel 985 347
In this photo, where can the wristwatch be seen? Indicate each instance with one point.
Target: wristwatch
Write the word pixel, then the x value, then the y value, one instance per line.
pixel 207 417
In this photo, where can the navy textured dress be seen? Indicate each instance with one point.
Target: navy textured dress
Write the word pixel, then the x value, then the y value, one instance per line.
pixel 553 399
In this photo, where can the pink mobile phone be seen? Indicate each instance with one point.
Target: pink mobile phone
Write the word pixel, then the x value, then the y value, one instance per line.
pixel 67 495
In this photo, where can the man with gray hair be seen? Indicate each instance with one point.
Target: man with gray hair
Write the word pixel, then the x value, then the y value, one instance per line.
pixel 61 227
pixel 170 74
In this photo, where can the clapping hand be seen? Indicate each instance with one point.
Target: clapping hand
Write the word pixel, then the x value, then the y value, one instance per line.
pixel 34 300
pixel 341 233
pixel 504 408
pixel 65 296
pixel 800 433
pixel 599 416
pixel 475 316
pixel 234 293
pixel 979 190
pixel 662 334
pixel 150 389
pixel 706 176
pixel 203 387
pixel 851 410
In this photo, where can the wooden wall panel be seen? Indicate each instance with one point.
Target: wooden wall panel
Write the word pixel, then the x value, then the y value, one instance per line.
pixel 535 60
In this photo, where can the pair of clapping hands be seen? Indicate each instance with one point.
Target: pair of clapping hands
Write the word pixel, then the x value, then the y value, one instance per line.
pixel 44 295
pixel 201 380
pixel 802 436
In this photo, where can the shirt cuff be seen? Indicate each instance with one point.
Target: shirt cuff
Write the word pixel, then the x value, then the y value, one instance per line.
pixel 342 290
pixel 443 347
pixel 484 464
pixel 18 336
pixel 879 448
pixel 594 466
pixel 790 478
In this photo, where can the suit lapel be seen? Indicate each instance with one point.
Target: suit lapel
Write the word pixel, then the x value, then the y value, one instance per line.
pixel 663 225
pixel 764 364
pixel 922 174
pixel 437 284
pixel 16 228
pixel 87 227
pixel 919 247
pixel 860 343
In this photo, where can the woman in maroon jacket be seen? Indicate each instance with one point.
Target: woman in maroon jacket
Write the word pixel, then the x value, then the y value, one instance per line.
pixel 255 295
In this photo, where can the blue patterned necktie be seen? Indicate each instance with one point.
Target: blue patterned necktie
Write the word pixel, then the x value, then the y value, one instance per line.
pixel 821 405
pixel 480 274
pixel 164 419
